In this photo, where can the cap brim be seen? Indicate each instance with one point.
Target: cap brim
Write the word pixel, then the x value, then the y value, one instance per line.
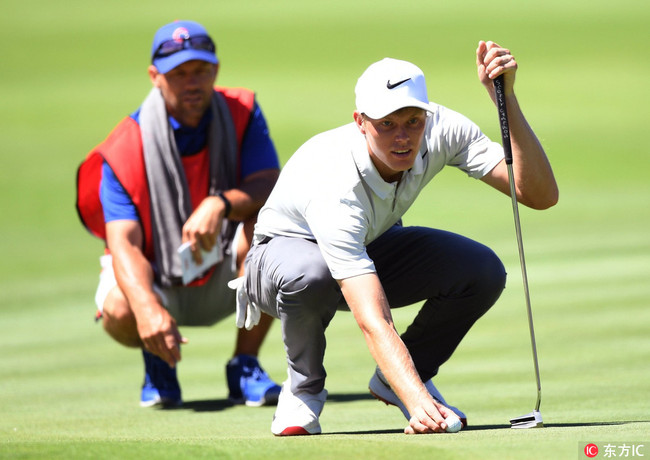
pixel 380 112
pixel 168 63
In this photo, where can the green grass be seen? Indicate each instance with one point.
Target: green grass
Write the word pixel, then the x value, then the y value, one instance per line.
pixel 69 71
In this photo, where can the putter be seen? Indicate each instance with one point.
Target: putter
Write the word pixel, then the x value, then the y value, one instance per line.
pixel 534 419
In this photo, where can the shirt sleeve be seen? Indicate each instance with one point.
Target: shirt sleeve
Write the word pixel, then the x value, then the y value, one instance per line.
pixel 469 148
pixel 257 151
pixel 116 203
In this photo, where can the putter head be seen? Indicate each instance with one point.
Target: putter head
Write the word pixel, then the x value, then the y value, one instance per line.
pixel 532 420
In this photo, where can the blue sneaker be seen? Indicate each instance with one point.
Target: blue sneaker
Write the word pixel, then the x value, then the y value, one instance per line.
pixel 249 384
pixel 160 386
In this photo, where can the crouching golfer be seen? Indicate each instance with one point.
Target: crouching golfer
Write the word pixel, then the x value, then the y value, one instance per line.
pixel 330 237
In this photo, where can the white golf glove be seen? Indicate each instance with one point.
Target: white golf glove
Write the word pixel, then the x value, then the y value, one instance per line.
pixel 248 314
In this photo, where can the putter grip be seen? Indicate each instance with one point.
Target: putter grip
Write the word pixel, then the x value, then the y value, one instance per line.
pixel 503 118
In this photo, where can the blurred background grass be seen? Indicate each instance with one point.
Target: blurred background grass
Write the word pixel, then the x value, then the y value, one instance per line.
pixel 69 72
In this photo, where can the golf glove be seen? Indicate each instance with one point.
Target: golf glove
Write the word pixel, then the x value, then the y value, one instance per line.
pixel 248 314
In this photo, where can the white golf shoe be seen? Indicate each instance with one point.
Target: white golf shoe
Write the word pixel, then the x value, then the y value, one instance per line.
pixel 380 389
pixel 297 414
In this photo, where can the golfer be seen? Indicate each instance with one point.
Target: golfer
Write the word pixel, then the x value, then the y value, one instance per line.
pixel 330 237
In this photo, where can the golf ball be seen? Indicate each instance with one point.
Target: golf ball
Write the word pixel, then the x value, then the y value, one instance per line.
pixel 453 424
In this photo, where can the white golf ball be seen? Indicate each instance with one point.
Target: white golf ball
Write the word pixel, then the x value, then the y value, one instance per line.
pixel 453 424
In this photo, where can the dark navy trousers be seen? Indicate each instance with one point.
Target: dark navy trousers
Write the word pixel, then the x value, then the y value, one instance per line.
pixel 457 278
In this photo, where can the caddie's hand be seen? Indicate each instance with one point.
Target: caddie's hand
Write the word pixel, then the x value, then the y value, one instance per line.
pixel 428 418
pixel 160 335
pixel 491 61
pixel 203 227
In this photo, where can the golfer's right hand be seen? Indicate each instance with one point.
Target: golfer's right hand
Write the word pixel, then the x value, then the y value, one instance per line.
pixel 428 418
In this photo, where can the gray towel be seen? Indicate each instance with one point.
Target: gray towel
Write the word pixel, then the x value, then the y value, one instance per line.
pixel 170 198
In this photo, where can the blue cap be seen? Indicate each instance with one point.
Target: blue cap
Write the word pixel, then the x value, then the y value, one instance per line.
pixel 180 31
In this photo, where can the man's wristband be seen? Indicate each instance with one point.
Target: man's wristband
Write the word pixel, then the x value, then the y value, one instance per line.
pixel 227 203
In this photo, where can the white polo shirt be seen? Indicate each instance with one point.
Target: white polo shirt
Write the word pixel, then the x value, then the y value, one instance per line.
pixel 331 192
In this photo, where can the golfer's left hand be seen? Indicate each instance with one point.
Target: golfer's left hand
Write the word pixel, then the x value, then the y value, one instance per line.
pixel 493 60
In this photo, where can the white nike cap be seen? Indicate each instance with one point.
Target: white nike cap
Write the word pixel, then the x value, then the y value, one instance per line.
pixel 389 85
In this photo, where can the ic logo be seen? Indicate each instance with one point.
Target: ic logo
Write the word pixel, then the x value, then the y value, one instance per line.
pixel 591 450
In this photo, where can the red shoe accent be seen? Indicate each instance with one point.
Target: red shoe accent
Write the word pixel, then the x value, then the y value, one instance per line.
pixel 376 396
pixel 294 431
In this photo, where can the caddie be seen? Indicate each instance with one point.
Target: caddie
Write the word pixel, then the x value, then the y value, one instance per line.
pixel 193 164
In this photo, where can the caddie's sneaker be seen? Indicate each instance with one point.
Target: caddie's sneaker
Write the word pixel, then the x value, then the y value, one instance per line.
pixel 160 386
pixel 297 414
pixel 249 384
pixel 381 390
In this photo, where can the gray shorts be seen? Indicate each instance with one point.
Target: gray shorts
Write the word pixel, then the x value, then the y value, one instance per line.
pixel 190 306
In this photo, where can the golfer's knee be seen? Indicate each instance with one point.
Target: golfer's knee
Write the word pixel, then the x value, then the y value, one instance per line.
pixel 490 275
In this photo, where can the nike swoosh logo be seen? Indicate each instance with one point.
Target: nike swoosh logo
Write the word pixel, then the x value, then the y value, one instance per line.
pixel 390 85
